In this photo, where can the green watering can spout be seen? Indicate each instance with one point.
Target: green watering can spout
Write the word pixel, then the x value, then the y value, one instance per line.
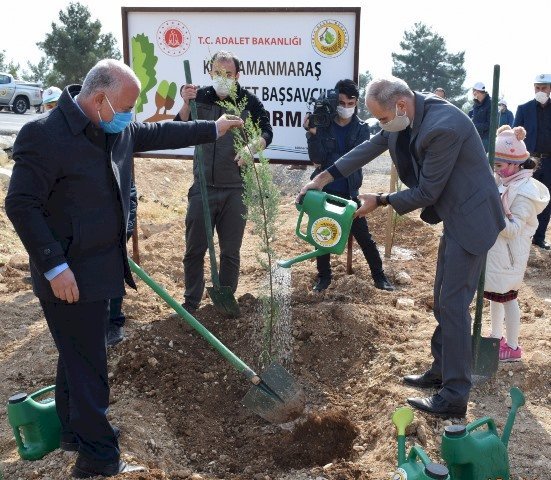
pixel 517 400
pixel 300 258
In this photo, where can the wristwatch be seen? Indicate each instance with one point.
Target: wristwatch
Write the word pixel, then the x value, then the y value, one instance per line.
pixel 382 199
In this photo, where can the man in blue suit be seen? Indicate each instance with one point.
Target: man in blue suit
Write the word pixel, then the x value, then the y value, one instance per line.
pixel 439 155
pixel 535 117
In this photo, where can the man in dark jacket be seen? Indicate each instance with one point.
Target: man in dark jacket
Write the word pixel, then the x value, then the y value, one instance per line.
pixel 328 143
pixel 535 117
pixel 481 112
pixel 68 200
pixel 223 178
pixel 504 115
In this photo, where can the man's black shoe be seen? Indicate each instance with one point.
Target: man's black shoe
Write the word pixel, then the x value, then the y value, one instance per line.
pixel 384 284
pixel 322 284
pixel 72 445
pixel 115 334
pixel 542 244
pixel 437 405
pixel 425 380
pixel 84 469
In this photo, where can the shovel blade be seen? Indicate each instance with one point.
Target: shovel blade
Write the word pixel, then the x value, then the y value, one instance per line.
pixel 485 358
pixel 278 398
pixel 224 301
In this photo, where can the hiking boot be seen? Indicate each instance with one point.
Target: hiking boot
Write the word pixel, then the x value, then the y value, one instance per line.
pixel 507 354
pixel 322 284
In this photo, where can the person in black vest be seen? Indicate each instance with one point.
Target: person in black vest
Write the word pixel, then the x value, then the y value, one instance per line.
pixel 326 144
pixel 68 200
pixel 481 112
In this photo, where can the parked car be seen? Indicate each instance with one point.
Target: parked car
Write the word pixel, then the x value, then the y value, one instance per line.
pixel 19 95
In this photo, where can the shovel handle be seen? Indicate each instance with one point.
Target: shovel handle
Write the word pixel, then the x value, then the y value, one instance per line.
pixel 204 193
pixel 237 363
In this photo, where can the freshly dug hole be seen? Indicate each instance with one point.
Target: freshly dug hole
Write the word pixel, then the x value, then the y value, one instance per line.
pixel 319 440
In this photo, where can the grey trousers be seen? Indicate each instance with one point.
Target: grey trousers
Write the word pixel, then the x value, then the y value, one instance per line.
pixel 457 275
pixel 227 212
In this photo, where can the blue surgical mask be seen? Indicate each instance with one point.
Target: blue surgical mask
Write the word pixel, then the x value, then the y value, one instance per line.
pixel 118 123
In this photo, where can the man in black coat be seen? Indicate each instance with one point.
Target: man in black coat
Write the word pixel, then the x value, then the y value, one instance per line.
pixel 68 200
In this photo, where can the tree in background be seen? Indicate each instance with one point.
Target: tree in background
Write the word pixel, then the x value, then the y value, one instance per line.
pixel 425 64
pixel 365 78
pixel 8 67
pixel 73 47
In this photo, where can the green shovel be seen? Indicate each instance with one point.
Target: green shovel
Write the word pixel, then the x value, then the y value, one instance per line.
pixel 275 395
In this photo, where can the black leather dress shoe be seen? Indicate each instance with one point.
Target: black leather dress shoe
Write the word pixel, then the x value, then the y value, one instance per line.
pixel 322 284
pixel 425 380
pixel 437 405
pixel 115 334
pixel 83 469
pixel 71 445
pixel 384 284
pixel 542 244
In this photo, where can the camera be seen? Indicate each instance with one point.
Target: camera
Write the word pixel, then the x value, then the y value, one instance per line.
pixel 325 109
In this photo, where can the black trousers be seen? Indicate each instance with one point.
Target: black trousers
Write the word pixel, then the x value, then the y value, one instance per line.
pixel 543 174
pixel 360 231
pixel 227 212
pixel 82 388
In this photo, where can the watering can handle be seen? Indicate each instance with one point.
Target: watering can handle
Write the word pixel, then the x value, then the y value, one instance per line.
pixel 417 452
pixel 341 201
pixel 41 392
pixel 299 222
pixel 483 421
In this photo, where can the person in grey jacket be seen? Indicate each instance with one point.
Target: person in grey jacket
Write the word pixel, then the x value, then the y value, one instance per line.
pixel 439 156
pixel 223 179
pixel 68 200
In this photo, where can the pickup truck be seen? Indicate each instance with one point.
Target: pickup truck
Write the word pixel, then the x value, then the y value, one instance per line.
pixel 18 95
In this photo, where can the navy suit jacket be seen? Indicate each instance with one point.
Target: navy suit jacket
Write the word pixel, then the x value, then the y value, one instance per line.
pixel 527 117
pixel 69 199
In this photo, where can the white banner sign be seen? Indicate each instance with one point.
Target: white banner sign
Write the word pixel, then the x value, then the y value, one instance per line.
pixel 288 57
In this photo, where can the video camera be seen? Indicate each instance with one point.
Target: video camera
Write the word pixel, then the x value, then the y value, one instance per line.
pixel 325 109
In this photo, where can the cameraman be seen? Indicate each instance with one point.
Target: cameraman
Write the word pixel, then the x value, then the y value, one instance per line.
pixel 326 144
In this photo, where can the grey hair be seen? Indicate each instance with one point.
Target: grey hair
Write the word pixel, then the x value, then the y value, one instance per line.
pixel 107 74
pixel 386 91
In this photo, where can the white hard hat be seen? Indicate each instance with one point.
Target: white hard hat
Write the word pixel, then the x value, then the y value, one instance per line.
pixel 51 94
pixel 479 86
pixel 543 78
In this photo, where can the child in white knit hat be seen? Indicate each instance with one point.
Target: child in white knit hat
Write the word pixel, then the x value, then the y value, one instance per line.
pixel 523 198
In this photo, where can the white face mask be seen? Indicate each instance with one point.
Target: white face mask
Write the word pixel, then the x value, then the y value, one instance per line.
pixel 541 97
pixel 222 85
pixel 397 124
pixel 344 112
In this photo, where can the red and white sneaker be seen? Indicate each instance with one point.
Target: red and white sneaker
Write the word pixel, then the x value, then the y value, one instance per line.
pixel 507 354
pixel 502 343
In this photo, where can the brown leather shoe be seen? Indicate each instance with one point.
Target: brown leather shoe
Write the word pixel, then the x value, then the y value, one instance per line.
pixel 84 469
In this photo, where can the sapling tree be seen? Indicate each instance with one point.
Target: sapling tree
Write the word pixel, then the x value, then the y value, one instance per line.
pixel 261 198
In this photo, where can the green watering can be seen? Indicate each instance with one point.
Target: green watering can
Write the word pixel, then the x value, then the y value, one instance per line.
pixel 329 222
pixel 417 465
pixel 473 452
pixel 35 423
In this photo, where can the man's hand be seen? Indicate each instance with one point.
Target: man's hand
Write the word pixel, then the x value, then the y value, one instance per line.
pixel 369 203
pixel 65 286
pixel 225 122
pixel 246 154
pixel 188 92
pixel 317 183
pixel 306 125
